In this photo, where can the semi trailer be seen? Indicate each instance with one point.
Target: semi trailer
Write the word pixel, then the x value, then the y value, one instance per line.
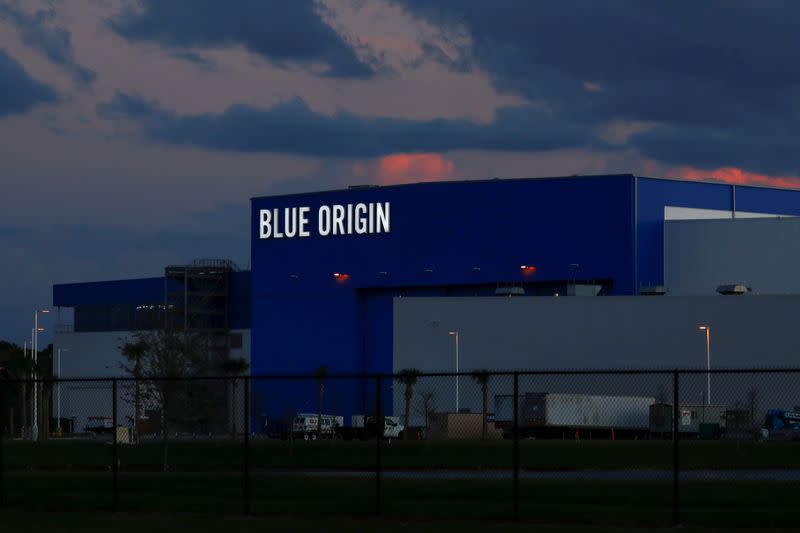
pixel 562 415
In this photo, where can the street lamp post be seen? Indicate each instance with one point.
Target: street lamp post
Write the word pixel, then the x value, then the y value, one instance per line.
pixel 454 334
pixel 32 420
pixel 707 329
pixel 58 429
pixel 35 341
pixel 24 414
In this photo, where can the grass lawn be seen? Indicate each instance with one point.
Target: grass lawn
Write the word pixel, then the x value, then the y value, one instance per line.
pixel 204 478
pixel 14 522
pixel 553 455
pixel 567 502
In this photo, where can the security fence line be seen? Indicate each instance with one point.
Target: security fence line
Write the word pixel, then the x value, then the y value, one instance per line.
pixel 601 410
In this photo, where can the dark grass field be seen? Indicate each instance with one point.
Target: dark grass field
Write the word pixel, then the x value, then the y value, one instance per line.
pixel 204 478
pixel 14 522
pixel 537 455
pixel 750 504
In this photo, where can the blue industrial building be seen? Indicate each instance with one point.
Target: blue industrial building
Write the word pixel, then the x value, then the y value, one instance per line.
pixel 461 238
pixel 326 267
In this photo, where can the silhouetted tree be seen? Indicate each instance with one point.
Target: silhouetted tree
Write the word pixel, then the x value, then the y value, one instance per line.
pixel 134 353
pixel 426 405
pixel 482 378
pixel 235 367
pixel 408 377
pixel 165 354
pixel 20 366
pixel 321 373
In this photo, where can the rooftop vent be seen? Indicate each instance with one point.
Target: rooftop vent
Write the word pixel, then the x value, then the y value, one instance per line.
pixel 653 290
pixel 362 186
pixel 580 289
pixel 509 291
pixel 735 289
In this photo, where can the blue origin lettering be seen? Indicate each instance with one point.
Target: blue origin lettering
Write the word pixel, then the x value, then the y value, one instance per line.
pixel 337 219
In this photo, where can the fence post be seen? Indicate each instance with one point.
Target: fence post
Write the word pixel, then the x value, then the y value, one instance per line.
pixel 516 446
pixel 3 430
pixel 246 451
pixel 675 456
pixel 114 448
pixel 165 384
pixel 379 426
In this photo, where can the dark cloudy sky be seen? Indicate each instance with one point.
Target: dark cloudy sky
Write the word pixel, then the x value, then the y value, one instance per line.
pixel 133 133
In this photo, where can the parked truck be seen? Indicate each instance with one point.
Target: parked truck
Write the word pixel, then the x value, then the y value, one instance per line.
pixel 364 427
pixel 562 415
pixel 781 425
pixel 305 427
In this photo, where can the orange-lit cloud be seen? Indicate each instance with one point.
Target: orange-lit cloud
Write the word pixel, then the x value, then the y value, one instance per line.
pixel 734 175
pixel 404 168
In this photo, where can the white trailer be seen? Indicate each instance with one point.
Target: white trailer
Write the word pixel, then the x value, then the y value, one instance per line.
pixel 543 411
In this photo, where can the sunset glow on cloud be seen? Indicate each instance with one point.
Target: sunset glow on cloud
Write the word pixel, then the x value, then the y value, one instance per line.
pixel 733 175
pixel 404 168
pixel 137 104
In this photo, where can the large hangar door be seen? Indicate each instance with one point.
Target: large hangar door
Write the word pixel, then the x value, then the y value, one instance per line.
pixel 508 333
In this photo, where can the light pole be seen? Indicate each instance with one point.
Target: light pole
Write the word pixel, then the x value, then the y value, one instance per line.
pixel 707 329
pixel 35 340
pixel 32 419
pixel 24 414
pixel 59 389
pixel 454 334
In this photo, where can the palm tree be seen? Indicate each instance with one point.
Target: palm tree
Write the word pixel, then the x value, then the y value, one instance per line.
pixel 134 352
pixel 235 367
pixel 482 378
pixel 321 373
pixel 408 377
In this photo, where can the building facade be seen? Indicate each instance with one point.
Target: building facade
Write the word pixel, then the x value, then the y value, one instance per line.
pixel 333 274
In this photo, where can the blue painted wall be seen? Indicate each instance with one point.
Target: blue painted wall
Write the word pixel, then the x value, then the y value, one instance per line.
pixel 655 194
pixel 475 233
pixel 130 291
pixel 763 200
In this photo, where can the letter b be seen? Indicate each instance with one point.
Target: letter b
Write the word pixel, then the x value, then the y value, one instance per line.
pixel 265 224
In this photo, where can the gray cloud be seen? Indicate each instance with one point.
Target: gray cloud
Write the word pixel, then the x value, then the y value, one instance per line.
pixel 291 127
pixel 199 61
pixel 19 92
pixel 773 154
pixel 728 70
pixel 283 32
pixel 54 42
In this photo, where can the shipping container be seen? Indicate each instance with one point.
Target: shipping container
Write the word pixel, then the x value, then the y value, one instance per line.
pixel 464 426
pixel 690 418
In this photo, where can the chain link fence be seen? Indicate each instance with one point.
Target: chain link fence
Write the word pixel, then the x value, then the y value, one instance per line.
pixel 618 446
